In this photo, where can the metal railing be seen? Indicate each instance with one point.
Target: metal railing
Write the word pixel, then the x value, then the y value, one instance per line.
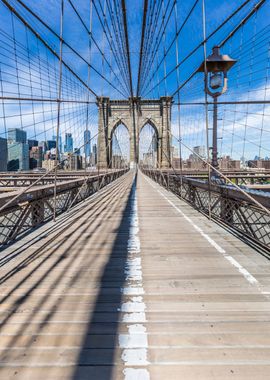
pixel 224 204
pixel 36 206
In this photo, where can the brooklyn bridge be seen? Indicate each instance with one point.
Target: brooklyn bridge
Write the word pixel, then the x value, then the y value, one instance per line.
pixel 134 189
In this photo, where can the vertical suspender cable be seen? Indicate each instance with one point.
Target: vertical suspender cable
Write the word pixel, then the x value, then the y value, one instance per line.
pixel 130 78
pixel 206 106
pixel 124 13
pixel 142 45
pixel 58 105
pixel 87 146
pixel 164 48
pixel 178 96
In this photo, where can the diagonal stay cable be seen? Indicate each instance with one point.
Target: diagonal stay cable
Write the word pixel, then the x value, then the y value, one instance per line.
pixel 12 9
pixel 167 14
pixel 145 7
pixel 172 42
pixel 150 18
pixel 151 36
pixel 5 2
pixel 205 40
pixel 90 33
pixel 118 48
pixel 224 176
pixel 120 36
pixel 118 54
pixel 124 15
pixel 250 14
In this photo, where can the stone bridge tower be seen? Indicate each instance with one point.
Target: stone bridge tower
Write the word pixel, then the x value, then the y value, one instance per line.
pixel 134 113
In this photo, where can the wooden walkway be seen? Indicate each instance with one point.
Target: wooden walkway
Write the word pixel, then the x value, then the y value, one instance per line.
pixel 134 284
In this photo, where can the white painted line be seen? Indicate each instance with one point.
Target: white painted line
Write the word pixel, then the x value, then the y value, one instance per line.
pixel 135 357
pixel 136 374
pixel 135 342
pixel 130 291
pixel 251 279
pixel 134 317
pixel 142 373
pixel 241 269
pixel 133 307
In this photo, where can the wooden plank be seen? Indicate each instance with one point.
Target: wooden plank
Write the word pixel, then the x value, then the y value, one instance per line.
pixel 125 285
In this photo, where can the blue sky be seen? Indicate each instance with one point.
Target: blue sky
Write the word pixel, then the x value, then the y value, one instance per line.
pixel 236 125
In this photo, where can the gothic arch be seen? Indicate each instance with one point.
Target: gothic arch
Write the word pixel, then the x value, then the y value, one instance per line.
pixel 112 130
pixel 116 125
pixel 134 114
pixel 152 123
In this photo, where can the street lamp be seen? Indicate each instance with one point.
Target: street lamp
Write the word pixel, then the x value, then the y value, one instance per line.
pixel 215 68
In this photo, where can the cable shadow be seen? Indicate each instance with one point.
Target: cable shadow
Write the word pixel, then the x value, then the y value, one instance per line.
pixel 43 274
pixel 109 208
pixel 63 220
pixel 98 348
pixel 93 209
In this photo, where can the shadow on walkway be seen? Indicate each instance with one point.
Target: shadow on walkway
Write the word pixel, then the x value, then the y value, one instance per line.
pixel 98 350
pixel 35 270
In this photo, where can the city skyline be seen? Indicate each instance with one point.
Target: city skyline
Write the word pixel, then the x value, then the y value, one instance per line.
pixel 20 153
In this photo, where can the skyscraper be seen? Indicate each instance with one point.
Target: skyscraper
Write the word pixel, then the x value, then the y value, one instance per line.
pixel 68 148
pixel 17 135
pixel 87 143
pixel 18 150
pixel 94 154
pixel 32 143
pixel 35 157
pixel 18 156
pixel 60 144
pixel 3 154
pixel 54 138
pixel 51 144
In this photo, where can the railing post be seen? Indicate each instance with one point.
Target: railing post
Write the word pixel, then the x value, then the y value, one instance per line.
pixel 37 213
pixel 73 196
pixel 226 210
pixel 191 194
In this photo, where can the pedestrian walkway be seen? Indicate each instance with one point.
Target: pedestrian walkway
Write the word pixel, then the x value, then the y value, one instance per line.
pixel 134 284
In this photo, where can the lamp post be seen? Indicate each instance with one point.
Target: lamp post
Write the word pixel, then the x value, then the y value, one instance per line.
pixel 215 68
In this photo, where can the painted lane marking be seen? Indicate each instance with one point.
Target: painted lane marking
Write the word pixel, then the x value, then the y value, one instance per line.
pixel 136 374
pixel 248 276
pixel 135 342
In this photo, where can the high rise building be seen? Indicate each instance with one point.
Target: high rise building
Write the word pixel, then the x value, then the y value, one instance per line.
pixel 68 148
pixel 174 151
pixel 199 151
pixel 75 162
pixel 17 135
pixel 35 159
pixel 3 154
pixel 43 145
pixel 18 156
pixel 18 150
pixel 51 144
pixel 87 143
pixel 60 145
pixel 94 155
pixel 32 143
pixel 54 138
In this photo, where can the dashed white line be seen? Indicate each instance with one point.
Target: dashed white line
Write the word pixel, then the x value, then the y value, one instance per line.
pixel 135 342
pixel 251 279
